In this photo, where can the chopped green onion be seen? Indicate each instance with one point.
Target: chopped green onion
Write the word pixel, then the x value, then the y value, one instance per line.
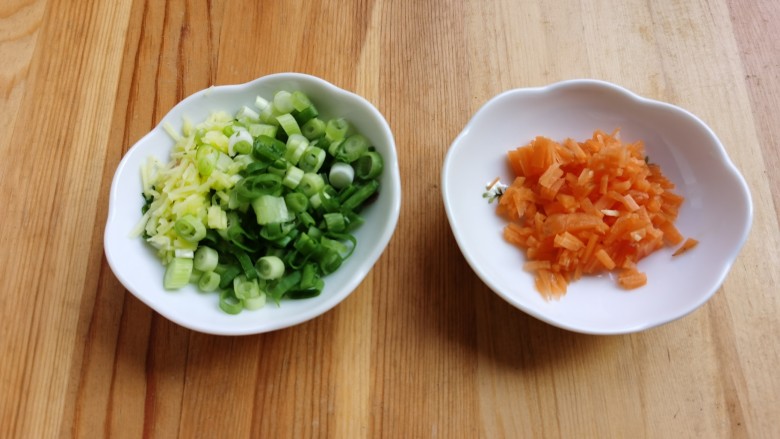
pixel 261 103
pixel 369 165
pixel 341 175
pixel 359 197
pixel 206 259
pixel 244 288
pixel 330 200
pixel 306 219
pixel 334 146
pixel 305 115
pixel 289 124
pixel 190 228
pixel 300 101
pixel 308 276
pixel 296 202
pixel 246 264
pixel 240 143
pixel 226 274
pixel 184 253
pixel 296 146
pixel 270 209
pixel 283 285
pixel 311 183
pixel 279 167
pixel 335 222
pixel 315 201
pixel 246 113
pixel 352 148
pixel 293 177
pixel 354 221
pixel 268 149
pixel 254 303
pixel 262 129
pixel 329 260
pixel 270 267
pixel 229 303
pixel 305 244
pixel 312 159
pixel 313 128
pixel 268 115
pixel 256 185
pixel 206 159
pixel 283 102
pixel 177 274
pixel 242 198
pixel 276 231
pixel 337 129
pixel 255 168
pixel 209 281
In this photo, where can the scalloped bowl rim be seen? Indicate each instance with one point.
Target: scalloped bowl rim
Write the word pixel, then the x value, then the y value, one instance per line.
pixel 351 273
pixel 521 299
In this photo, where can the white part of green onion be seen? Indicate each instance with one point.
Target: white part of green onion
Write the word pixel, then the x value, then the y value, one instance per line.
pixel 341 175
pixel 209 281
pixel 270 209
pixel 289 124
pixel 268 116
pixel 283 102
pixel 296 146
pixel 241 135
pixel 206 259
pixel 262 129
pixel 315 201
pixel 261 103
pixel 253 303
pixel 293 177
pixel 182 253
pixel 177 274
pixel 247 113
pixel 270 267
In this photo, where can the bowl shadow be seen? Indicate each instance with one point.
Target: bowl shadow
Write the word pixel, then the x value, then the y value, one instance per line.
pixel 494 330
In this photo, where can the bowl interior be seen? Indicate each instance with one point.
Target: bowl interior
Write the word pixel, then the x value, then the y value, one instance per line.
pixel 140 271
pixel 717 209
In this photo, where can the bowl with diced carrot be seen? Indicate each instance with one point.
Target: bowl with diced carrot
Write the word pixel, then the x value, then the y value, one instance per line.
pixel 594 209
pixel 254 207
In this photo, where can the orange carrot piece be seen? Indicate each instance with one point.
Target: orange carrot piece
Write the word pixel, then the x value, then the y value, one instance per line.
pixel 631 278
pixel 687 245
pixel 579 208
pixel 568 241
pixel 604 258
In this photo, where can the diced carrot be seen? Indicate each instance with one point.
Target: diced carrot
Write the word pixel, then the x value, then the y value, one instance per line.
pixel 604 258
pixel 630 278
pixel 687 245
pixel 671 234
pixel 537 265
pixel 579 208
pixel 568 241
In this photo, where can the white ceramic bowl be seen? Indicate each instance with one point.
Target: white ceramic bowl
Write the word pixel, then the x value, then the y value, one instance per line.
pixel 717 210
pixel 136 266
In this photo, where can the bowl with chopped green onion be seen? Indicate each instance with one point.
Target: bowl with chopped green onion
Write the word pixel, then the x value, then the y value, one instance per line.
pixel 254 207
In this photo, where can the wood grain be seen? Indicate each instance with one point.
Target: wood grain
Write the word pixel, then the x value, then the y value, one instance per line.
pixel 422 348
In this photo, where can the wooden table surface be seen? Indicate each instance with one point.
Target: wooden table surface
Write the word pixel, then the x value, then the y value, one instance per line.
pixel 422 348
